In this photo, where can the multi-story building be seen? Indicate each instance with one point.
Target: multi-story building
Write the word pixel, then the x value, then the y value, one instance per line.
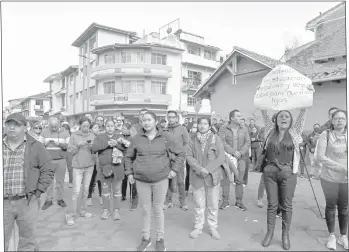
pixel 198 62
pixel 119 71
pixel 64 97
pixel 32 107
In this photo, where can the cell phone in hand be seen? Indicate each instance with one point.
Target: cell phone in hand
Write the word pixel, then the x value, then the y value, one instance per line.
pixel 89 141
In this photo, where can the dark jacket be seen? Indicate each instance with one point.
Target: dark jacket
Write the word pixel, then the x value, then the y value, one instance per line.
pixel 179 134
pixel 105 160
pixel 312 140
pixel 244 142
pixel 211 159
pixel 38 170
pixel 151 161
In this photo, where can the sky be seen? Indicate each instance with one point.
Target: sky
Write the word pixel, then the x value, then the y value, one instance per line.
pixel 37 37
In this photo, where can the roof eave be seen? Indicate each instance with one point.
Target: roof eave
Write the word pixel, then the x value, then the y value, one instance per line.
pixel 330 79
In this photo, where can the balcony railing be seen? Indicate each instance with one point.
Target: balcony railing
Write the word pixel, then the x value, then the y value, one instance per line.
pixel 121 99
pixel 39 107
pixel 110 70
pixel 199 61
pixel 190 84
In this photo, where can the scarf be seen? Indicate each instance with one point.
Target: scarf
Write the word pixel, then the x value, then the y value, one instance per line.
pixel 203 138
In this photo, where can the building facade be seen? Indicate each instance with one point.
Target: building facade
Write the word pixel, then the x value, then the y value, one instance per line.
pixel 121 72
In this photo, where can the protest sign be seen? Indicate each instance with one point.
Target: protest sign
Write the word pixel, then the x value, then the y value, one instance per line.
pixel 284 88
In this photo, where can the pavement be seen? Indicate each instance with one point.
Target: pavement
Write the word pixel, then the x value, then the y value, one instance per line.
pixel 240 231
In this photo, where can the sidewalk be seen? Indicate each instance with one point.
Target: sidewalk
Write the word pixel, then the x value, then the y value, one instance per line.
pixel 240 231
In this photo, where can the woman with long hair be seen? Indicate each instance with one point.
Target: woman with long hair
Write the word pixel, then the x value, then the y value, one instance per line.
pixel 205 156
pixel 112 171
pixel 282 158
pixel 192 133
pixel 151 160
pixel 332 153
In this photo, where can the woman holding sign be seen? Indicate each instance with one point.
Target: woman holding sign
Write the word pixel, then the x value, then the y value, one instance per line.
pixel 280 168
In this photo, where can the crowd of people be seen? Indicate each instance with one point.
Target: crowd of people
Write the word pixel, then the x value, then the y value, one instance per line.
pixel 159 158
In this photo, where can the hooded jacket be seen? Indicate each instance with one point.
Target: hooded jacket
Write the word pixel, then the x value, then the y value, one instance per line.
pixel 152 160
pixel 82 156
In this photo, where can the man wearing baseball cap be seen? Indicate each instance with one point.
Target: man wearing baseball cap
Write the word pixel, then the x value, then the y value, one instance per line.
pixel 27 173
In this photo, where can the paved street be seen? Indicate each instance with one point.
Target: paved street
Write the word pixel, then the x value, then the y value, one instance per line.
pixel 240 231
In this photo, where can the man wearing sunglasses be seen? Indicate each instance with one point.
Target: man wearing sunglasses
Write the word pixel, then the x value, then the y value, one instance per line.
pixel 36 131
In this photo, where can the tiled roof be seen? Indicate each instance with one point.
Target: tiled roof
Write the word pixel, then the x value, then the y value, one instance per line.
pixel 323 16
pixel 332 45
pixel 36 96
pixel 270 62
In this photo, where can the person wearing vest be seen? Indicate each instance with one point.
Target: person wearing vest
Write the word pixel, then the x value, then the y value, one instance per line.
pixel 332 153
pixel 56 141
pixel 205 156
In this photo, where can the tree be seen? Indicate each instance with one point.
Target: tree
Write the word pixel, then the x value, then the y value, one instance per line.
pixel 291 41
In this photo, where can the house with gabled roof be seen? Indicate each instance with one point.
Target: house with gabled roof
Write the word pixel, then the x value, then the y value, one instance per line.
pixel 233 84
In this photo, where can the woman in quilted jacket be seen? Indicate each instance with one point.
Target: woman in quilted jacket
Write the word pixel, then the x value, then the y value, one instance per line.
pixel 205 155
pixel 109 146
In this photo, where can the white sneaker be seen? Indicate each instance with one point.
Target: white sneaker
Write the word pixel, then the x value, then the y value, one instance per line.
pixel 343 241
pixel 89 201
pixel 331 242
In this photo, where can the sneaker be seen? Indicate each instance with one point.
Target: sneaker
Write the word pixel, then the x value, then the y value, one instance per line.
pixel 116 215
pixel 47 204
pixel 224 205
pixel 331 242
pixel 244 185
pixel 89 201
pixel 168 205
pixel 133 205
pixel 234 184
pixel 240 206
pixel 195 233
pixel 301 176
pixel 184 207
pixel 343 241
pixel 70 185
pixel 100 200
pixel 70 221
pixel 260 203
pixel 144 245
pixel 160 245
pixel 123 198
pixel 86 215
pixel 61 203
pixel 215 235
pixel 279 215
pixel 105 214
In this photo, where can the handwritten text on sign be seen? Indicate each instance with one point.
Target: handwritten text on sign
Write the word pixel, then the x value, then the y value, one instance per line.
pixel 284 88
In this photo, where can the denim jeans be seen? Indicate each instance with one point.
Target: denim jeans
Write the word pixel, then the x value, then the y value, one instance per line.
pixel 124 189
pixel 25 216
pixel 181 188
pixel 187 178
pixel 158 191
pixel 60 167
pixel 336 195
pixel 69 159
pixel 80 175
pixel 111 185
pixel 261 188
pixel 206 196
pixel 239 189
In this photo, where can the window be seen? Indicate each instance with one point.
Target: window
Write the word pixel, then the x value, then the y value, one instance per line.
pixel 134 86
pixel 109 59
pixel 109 87
pixel 93 90
pixel 140 58
pixel 63 82
pixel 194 78
pixel 92 43
pixel 77 95
pixel 63 100
pixel 81 95
pixel 85 48
pixel 194 50
pixel 72 79
pixel 158 59
pixel 39 103
pixel 209 55
pixel 71 99
pixel 81 73
pixel 158 87
pixel 126 57
pixel 191 101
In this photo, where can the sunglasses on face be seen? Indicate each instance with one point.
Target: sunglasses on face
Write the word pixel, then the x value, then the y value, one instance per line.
pixel 40 128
